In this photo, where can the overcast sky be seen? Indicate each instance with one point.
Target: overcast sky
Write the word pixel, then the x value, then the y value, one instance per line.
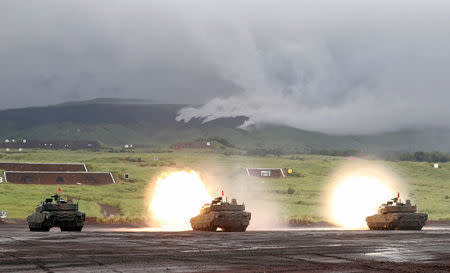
pixel 332 66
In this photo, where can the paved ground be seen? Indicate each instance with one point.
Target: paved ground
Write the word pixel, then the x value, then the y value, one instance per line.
pixel 121 250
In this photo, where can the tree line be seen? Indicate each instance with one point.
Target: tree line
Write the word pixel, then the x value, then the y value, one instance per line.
pixel 419 156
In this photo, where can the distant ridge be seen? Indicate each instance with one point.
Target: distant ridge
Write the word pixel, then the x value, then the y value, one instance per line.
pixel 110 101
pixel 123 121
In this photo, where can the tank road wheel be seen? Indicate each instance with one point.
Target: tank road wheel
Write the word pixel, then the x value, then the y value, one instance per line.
pixel 40 229
pixel 234 229
pixel 243 228
pixel 212 227
pixel 77 229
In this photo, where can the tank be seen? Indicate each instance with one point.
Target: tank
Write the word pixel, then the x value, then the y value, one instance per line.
pixel 222 214
pixel 395 215
pixel 60 213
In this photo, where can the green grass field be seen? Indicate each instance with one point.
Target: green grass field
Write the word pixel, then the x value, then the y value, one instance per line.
pixel 429 187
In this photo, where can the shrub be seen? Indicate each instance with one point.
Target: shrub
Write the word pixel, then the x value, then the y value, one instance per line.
pixel 418 156
pixel 290 190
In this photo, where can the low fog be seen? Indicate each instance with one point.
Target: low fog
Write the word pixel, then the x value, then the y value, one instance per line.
pixel 335 67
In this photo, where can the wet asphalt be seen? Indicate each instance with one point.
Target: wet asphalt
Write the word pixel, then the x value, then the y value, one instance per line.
pixel 100 249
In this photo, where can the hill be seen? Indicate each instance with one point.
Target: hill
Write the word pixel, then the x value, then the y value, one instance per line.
pixel 117 122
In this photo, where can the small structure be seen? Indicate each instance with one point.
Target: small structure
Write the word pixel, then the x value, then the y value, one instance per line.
pixel 436 165
pixel 59 178
pixel 266 172
pixel 126 176
pixel 43 167
pixel 50 144
pixel 193 145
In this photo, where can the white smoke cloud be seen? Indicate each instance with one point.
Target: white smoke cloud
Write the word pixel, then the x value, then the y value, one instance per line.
pixel 342 68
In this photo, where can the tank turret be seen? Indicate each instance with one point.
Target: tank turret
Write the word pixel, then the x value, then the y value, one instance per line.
pixel 228 216
pixel 396 215
pixel 60 213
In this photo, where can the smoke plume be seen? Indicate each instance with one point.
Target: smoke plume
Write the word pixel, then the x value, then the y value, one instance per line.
pixel 347 67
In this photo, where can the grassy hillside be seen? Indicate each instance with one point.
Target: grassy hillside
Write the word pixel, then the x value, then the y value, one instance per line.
pixel 429 187
pixel 117 122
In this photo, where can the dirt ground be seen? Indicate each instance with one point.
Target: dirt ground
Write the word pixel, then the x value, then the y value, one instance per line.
pixel 108 210
pixel 110 249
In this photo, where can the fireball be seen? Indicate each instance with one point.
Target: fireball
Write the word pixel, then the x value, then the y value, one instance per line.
pixel 356 197
pixel 176 197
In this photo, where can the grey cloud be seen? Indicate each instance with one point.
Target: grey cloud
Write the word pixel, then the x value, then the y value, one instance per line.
pixel 348 67
pixel 331 66
pixel 54 51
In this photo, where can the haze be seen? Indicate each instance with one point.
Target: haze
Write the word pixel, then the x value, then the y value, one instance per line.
pixel 335 67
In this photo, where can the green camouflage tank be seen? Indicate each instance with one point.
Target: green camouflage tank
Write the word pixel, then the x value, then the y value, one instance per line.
pixel 60 213
pixel 221 214
pixel 395 215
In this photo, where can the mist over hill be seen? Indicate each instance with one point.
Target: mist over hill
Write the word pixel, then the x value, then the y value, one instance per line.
pixel 118 122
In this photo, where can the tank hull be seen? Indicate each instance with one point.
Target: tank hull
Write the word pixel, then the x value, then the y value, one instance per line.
pixel 228 221
pixel 65 221
pixel 397 221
